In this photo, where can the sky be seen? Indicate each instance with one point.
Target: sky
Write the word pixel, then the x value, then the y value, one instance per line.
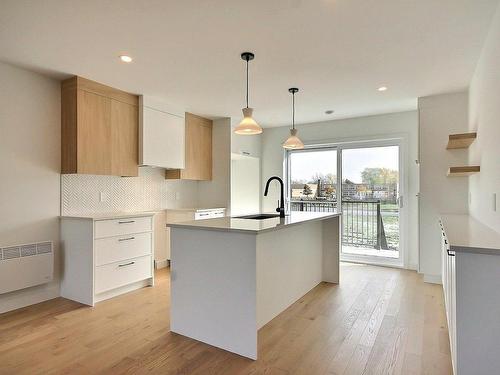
pixel 354 161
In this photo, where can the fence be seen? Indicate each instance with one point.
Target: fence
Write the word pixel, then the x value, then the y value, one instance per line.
pixel 361 220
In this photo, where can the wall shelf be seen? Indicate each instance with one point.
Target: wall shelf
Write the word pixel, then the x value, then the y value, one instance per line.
pixel 463 171
pixel 463 140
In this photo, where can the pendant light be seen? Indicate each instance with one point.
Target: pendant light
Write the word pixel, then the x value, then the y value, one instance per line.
pixel 248 126
pixel 293 142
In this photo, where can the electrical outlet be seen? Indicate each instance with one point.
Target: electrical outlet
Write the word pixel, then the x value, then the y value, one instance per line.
pixel 103 197
pixel 177 195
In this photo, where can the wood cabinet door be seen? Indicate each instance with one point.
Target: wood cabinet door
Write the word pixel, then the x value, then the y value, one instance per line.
pixel 124 128
pixel 198 148
pixel 93 134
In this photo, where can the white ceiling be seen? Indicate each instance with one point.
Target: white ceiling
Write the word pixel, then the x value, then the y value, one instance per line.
pixel 187 52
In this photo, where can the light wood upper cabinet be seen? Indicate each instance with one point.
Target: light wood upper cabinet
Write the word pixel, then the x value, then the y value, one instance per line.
pixel 198 161
pixel 99 129
pixel 124 131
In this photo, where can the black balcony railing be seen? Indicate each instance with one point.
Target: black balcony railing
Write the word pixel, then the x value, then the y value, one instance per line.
pixel 361 220
pixel 313 206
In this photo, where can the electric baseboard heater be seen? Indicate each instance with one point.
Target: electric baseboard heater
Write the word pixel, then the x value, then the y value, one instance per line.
pixel 24 266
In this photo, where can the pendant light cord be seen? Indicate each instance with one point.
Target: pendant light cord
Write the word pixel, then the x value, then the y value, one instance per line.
pixel 247 81
pixel 293 110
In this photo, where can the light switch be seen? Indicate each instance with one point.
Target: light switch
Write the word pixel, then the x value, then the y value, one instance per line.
pixel 103 197
pixel 495 202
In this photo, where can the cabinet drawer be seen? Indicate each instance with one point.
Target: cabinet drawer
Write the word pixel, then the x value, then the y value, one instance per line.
pixel 118 274
pixel 118 227
pixel 116 249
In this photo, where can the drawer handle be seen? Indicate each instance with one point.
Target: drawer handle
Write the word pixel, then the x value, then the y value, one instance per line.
pixel 204 214
pixel 126 239
pixel 126 264
pixel 126 222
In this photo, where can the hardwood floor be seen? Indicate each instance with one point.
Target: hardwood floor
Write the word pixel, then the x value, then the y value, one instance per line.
pixel 377 321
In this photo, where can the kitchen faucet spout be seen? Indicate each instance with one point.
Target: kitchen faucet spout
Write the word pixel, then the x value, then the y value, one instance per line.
pixel 281 205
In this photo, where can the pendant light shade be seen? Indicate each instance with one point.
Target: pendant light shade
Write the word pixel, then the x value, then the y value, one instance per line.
pixel 293 142
pixel 248 126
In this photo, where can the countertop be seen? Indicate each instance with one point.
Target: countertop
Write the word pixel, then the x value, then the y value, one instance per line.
pixel 196 209
pixel 107 216
pixel 231 224
pixel 466 234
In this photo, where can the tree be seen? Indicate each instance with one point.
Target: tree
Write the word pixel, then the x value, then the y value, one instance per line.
pixel 379 176
pixel 328 179
pixel 307 190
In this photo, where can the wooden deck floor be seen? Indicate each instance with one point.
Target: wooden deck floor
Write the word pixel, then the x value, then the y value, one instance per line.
pixel 377 321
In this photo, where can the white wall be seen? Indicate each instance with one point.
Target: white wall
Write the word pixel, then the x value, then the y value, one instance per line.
pixel 30 137
pixel 440 115
pixel 404 124
pixel 484 116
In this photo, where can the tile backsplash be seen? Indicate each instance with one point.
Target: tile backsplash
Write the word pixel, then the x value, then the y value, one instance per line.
pixel 88 194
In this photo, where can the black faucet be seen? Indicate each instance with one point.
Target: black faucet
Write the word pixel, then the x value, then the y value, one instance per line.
pixel 281 203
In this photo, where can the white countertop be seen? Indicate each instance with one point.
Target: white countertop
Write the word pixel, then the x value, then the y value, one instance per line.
pixel 107 216
pixel 466 234
pixel 231 224
pixel 197 209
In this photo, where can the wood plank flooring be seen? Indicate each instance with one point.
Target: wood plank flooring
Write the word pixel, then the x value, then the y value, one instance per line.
pixel 377 321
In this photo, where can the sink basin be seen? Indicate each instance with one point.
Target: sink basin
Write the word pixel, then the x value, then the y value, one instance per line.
pixel 259 216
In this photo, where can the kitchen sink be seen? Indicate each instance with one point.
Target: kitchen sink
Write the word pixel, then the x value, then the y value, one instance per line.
pixel 258 217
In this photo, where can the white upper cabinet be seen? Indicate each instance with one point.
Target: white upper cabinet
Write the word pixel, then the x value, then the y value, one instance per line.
pixel 161 135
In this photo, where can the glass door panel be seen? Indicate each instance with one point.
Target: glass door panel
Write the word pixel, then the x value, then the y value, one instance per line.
pixel 370 196
pixel 312 183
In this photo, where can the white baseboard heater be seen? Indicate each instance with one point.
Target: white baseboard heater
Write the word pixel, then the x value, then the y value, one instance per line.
pixel 27 265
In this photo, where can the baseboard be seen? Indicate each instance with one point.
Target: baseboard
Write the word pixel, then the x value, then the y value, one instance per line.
pixel 161 264
pixel 413 266
pixel 432 279
pixel 29 296
pixel 124 289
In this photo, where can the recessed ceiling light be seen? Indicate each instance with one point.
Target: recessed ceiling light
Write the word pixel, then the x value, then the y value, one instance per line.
pixel 382 88
pixel 125 58
pixel 329 112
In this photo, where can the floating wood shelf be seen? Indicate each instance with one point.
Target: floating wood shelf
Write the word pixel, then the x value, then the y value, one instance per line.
pixel 463 171
pixel 463 140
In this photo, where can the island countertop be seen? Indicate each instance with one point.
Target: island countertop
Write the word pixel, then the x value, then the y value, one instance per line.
pixel 235 224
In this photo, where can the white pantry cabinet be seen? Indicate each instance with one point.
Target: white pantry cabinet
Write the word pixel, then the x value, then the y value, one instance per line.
pixel 471 285
pixel 106 256
pixel 161 135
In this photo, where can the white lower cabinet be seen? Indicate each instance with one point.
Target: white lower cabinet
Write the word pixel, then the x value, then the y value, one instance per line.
pixel 449 291
pixel 471 287
pixel 114 275
pixel 106 257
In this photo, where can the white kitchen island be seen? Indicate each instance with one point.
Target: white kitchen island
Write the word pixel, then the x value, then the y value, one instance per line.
pixel 231 276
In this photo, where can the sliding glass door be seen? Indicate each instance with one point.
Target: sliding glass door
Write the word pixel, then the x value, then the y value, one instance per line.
pixel 363 181
pixel 370 202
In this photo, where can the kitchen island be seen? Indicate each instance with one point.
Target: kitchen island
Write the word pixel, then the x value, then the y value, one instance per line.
pixel 231 276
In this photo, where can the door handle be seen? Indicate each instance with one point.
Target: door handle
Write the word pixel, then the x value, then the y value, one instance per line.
pixel 126 264
pixel 126 239
pixel 400 201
